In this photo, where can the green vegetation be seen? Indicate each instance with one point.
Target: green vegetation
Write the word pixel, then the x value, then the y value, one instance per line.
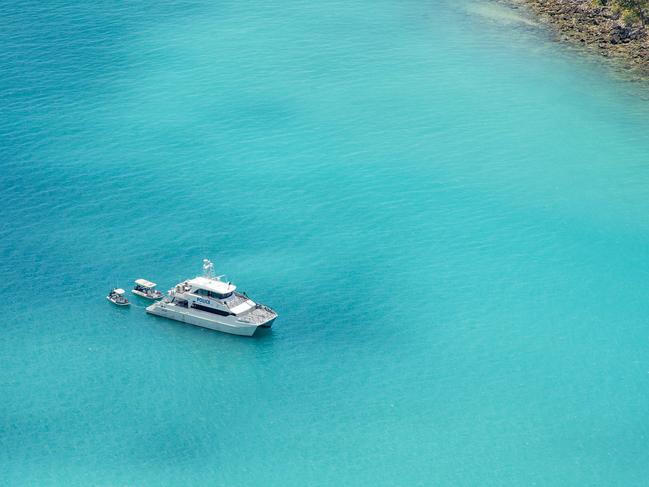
pixel 632 11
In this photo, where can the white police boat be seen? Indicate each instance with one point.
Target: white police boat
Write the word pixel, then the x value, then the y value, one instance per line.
pixel 209 302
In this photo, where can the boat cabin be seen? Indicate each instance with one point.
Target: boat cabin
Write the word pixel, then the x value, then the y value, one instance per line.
pixel 214 296
pixel 211 288
pixel 143 284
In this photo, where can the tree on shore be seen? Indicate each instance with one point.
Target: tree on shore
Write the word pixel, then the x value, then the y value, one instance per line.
pixel 632 10
pixel 635 10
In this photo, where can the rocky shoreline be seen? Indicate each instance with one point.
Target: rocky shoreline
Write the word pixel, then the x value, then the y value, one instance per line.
pixel 598 28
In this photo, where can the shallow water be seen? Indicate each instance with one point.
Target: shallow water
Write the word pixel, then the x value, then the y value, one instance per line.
pixel 501 12
pixel 447 211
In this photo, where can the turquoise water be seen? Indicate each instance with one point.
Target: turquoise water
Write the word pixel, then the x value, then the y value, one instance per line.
pixel 447 209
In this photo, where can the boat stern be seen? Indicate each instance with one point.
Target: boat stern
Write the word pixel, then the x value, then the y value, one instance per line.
pixel 270 321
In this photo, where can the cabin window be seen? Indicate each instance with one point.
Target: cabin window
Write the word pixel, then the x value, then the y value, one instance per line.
pixel 210 310
pixel 212 294
pixel 215 295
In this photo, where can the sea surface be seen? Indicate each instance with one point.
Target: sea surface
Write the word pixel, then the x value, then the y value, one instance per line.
pixel 447 208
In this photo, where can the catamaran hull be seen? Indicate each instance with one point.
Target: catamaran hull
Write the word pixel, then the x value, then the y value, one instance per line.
pixel 225 324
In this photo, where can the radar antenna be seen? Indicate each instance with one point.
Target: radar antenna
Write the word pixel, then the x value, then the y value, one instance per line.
pixel 208 268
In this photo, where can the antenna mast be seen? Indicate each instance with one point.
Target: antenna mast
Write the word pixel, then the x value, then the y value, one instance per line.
pixel 208 268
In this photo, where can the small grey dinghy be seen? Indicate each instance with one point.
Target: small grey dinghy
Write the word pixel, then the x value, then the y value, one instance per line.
pixel 116 296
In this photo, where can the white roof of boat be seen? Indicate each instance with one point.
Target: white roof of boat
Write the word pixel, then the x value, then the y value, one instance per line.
pixel 145 283
pixel 245 306
pixel 119 291
pixel 212 285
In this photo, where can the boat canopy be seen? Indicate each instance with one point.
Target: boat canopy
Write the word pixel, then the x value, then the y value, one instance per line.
pixel 145 283
pixel 119 291
pixel 213 285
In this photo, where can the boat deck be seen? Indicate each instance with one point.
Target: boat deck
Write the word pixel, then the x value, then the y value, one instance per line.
pixel 259 315
pixel 235 300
